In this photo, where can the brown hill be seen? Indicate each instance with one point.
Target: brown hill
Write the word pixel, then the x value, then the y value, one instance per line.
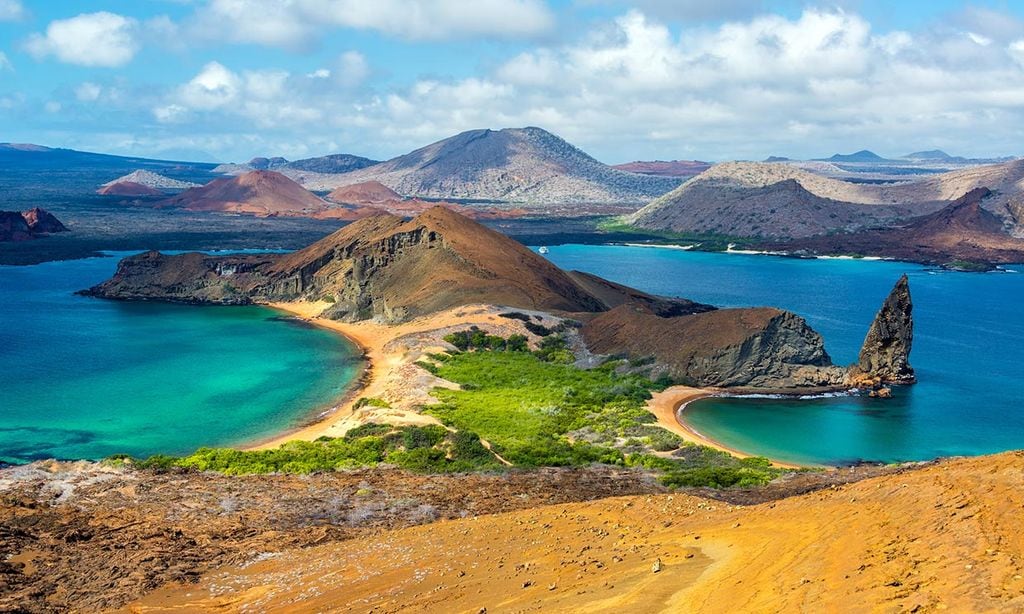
pixel 964 230
pixel 661 168
pixel 365 193
pixel 256 192
pixel 943 537
pixel 128 188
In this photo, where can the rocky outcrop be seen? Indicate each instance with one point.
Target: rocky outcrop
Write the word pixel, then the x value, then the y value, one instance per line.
pixel 885 355
pixel 748 348
pixel 28 225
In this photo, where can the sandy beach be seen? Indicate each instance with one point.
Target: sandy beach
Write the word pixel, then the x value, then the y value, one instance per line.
pixel 667 404
pixel 390 374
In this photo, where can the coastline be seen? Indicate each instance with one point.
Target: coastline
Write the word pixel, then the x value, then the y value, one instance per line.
pixel 389 367
pixel 390 373
pixel 667 406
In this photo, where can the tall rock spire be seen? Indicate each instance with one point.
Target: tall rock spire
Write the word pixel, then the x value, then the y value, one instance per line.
pixel 885 355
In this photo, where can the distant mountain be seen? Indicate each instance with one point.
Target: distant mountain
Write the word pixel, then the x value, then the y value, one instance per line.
pixel 330 164
pixel 777 159
pixel 861 156
pixel 263 164
pixel 28 156
pixel 255 192
pixel 963 230
pixel 932 154
pixel 745 199
pixel 334 163
pixel 522 165
pixel 660 168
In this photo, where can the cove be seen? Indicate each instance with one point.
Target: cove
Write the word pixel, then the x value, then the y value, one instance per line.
pixel 968 352
pixel 84 378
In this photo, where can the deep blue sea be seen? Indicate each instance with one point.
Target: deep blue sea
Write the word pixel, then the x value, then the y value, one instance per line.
pixel 968 352
pixel 87 378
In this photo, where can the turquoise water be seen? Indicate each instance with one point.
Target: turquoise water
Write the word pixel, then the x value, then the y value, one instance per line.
pixel 87 378
pixel 968 352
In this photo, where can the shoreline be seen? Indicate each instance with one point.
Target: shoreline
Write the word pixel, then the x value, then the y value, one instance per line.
pixel 390 373
pixel 382 364
pixel 669 404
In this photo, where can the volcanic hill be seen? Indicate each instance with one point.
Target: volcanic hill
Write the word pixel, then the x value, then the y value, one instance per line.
pixel 962 231
pixel 255 192
pixel 781 200
pixel 523 165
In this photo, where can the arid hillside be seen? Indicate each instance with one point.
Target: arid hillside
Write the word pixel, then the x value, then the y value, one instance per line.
pixel 522 165
pixel 945 537
pixel 782 200
pixel 255 192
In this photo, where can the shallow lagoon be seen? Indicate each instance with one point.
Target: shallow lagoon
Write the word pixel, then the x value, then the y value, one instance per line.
pixel 968 352
pixel 86 378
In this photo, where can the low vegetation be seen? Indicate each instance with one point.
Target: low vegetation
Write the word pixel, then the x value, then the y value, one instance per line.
pixel 534 408
pixel 702 242
pixel 421 449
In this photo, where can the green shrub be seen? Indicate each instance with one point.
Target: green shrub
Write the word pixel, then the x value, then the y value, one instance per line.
pixel 371 402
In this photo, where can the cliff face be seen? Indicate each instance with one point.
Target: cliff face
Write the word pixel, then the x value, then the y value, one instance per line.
pixel 755 348
pixel 885 355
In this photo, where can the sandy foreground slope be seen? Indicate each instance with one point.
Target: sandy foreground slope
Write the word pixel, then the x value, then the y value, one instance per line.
pixel 945 537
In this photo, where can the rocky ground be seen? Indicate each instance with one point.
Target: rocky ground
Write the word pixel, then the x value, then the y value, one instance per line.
pixel 944 537
pixel 90 537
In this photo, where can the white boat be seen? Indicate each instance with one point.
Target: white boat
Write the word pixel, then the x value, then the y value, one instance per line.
pixel 543 250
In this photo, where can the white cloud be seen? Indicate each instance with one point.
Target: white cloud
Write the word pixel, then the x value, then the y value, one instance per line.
pixel 691 10
pixel 820 82
pixel 214 87
pixel 90 39
pixel 5 64
pixel 52 106
pixel 352 69
pixel 11 10
pixel 299 23
pixel 88 92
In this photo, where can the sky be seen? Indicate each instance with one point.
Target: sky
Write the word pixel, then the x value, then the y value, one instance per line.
pixel 226 80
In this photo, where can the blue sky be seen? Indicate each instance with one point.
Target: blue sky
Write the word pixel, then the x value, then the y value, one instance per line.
pixel 647 79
